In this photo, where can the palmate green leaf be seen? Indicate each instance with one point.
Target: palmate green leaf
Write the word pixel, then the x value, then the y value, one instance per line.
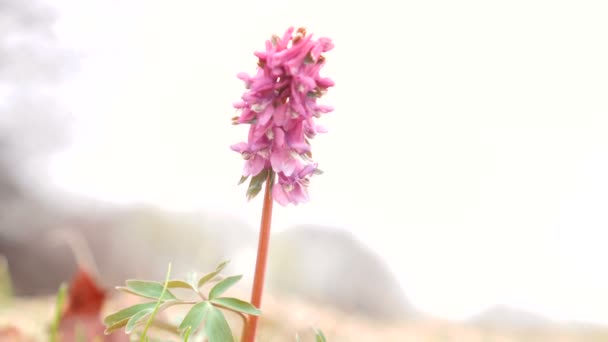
pixel 216 326
pixel 223 285
pixel 195 317
pixel 148 289
pixel 137 319
pixel 209 276
pixel 238 305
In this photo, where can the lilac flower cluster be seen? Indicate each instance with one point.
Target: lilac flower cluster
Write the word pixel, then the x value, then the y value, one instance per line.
pixel 280 104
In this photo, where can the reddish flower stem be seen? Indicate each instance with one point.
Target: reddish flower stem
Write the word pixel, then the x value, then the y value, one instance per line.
pixel 260 265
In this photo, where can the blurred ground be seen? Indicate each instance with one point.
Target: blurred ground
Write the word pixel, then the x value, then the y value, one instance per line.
pixel 284 317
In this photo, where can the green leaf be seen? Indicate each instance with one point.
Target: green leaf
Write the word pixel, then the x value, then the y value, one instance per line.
pixel 181 284
pixel 223 285
pixel 117 326
pixel 148 289
pixel 319 336
pixel 195 316
pixel 255 185
pixel 238 305
pixel 63 290
pixel 253 190
pixel 123 315
pixel 243 179
pixel 216 326
pixel 137 319
pixel 207 277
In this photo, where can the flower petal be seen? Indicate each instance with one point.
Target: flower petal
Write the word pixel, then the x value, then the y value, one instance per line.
pixel 279 195
pixel 265 115
pixel 325 82
pixel 324 108
pixel 279 137
pixel 320 129
pixel 296 140
pixel 254 166
pixel 244 76
pixel 240 147
pixel 280 115
pixel 298 194
pixel 281 160
pixel 307 170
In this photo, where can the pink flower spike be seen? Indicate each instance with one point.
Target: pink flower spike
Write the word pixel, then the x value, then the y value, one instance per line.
pixel 280 105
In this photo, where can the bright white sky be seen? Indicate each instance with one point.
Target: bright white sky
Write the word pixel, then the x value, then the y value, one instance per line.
pixel 468 146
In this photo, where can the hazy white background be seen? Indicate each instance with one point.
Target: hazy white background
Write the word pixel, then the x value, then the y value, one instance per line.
pixel 468 146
